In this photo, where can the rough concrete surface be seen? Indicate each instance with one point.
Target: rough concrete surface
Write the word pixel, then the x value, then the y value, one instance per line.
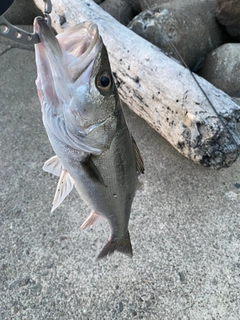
pixel 185 228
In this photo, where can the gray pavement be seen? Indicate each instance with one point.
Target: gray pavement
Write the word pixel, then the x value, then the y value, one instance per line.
pixel 185 227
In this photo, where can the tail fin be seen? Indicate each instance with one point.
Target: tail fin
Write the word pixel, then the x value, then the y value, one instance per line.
pixel 124 246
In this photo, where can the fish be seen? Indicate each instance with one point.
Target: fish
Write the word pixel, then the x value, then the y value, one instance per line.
pixel 85 124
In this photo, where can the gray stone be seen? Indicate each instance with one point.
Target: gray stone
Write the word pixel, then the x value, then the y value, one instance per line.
pixel 222 68
pixel 147 4
pixel 120 307
pixel 119 9
pixel 189 25
pixel 23 12
pixel 237 100
pixel 228 14
pixel 4 48
pixel 135 5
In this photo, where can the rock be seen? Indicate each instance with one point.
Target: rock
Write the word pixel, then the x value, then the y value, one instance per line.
pixel 119 9
pixel 190 25
pixel 228 14
pixel 147 4
pixel 222 68
pixel 237 100
pixel 135 5
pixel 98 1
pixel 23 12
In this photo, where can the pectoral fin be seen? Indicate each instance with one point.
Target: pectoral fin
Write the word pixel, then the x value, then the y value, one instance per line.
pixel 54 166
pixel 64 187
pixel 91 170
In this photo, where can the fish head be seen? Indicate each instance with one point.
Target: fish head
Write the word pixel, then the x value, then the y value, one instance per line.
pixel 103 100
pixel 74 76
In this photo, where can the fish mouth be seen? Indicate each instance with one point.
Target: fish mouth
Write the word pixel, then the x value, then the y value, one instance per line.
pixel 74 49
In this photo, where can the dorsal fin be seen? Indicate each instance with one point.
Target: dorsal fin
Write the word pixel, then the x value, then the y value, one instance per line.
pixel 139 160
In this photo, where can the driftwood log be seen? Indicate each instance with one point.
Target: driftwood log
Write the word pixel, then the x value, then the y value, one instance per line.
pixel 159 89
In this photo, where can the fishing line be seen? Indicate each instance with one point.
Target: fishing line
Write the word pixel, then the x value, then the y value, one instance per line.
pixel 196 81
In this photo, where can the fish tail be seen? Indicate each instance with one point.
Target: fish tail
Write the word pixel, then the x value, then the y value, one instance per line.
pixel 123 245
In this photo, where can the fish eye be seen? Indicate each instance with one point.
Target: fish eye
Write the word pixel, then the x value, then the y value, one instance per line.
pixel 104 82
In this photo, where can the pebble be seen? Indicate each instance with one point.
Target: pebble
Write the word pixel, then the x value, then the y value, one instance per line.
pixel 120 307
pixel 222 68
pixel 133 312
pixel 36 288
pixel 20 282
pixel 182 276
pixel 190 25
pixel 232 195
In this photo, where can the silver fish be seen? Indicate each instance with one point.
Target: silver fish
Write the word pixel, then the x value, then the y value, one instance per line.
pixel 83 118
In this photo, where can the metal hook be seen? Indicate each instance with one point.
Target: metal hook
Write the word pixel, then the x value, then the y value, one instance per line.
pixel 47 11
pixel 48 6
pixel 9 31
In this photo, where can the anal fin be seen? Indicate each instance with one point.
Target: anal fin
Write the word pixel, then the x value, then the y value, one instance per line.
pixel 91 219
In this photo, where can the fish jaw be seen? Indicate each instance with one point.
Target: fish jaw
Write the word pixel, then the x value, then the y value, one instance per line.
pixel 48 44
pixel 81 44
pixel 61 66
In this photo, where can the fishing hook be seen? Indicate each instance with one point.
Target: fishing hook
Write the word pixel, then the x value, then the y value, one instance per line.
pixel 9 31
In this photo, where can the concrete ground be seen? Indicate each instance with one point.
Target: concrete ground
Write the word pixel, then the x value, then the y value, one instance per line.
pixel 185 227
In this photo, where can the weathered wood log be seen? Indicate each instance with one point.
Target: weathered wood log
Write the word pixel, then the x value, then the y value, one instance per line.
pixel 159 89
